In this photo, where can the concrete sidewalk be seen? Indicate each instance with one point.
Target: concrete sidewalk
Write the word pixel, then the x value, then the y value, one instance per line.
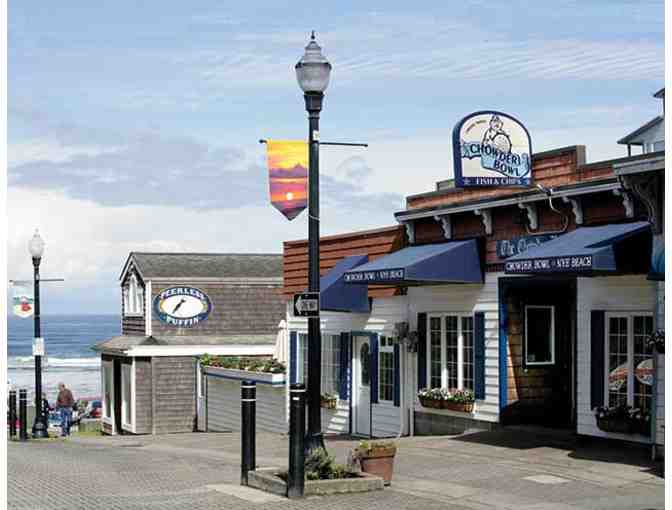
pixel 494 470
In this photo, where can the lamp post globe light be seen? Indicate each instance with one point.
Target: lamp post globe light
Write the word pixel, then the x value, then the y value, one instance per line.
pixel 312 73
pixel 36 249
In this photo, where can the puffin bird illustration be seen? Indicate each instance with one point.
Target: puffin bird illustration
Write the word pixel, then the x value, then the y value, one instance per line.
pixel 178 305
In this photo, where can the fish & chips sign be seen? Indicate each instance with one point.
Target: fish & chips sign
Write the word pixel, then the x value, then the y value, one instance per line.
pixel 491 149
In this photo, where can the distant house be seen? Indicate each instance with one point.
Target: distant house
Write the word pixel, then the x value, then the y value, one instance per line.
pixel 175 308
pixel 651 136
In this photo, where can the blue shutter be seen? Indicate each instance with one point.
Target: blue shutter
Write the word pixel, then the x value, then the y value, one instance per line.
pixel 479 355
pixel 374 368
pixel 422 350
pixel 344 367
pixel 397 376
pixel 597 337
pixel 293 357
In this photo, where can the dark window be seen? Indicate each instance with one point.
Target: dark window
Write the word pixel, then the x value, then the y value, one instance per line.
pixel 539 335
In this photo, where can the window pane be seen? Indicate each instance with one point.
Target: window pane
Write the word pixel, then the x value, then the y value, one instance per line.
pixel 331 354
pixel 451 350
pixel 365 363
pixel 539 335
pixel 386 376
pixel 127 392
pixel 435 352
pixel 618 361
pixel 468 353
pixel 643 362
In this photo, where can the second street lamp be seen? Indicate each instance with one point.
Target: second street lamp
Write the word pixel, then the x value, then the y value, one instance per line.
pixel 36 249
pixel 312 73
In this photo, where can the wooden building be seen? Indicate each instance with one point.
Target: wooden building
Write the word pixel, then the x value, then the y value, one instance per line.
pixel 537 299
pixel 176 307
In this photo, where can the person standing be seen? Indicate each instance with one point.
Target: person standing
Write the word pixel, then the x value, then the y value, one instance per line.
pixel 64 404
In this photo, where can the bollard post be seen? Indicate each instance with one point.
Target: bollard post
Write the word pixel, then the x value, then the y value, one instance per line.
pixel 23 415
pixel 12 413
pixel 248 433
pixel 297 432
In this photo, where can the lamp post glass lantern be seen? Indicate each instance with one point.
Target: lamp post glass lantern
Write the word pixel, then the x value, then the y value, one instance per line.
pixel 312 73
pixel 36 249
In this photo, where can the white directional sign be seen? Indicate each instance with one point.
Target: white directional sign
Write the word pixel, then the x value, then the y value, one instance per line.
pixel 38 347
pixel 307 304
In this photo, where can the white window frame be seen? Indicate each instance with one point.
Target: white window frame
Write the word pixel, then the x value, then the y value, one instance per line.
pixel 124 405
pixel 302 360
pixel 631 351
pixel 133 298
pixel 541 307
pixel 460 347
pixel 388 348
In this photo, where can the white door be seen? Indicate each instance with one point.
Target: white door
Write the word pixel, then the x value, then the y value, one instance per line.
pixel 361 385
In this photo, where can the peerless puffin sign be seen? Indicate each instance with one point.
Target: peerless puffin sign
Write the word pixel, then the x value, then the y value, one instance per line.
pixel 182 306
pixel 491 149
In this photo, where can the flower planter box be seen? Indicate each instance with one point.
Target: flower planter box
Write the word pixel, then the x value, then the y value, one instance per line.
pixel 462 407
pixel 267 479
pixel 246 375
pixel 617 425
pixel 427 402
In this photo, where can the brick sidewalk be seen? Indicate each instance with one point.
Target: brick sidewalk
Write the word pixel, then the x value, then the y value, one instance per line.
pixel 481 471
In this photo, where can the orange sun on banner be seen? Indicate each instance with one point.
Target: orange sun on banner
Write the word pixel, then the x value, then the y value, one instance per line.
pixel 288 176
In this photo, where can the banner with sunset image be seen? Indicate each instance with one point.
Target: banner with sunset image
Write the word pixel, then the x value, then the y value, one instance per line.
pixel 288 176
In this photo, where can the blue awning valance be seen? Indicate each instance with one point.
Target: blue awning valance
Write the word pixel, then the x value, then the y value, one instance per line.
pixel 451 262
pixel 589 250
pixel 335 296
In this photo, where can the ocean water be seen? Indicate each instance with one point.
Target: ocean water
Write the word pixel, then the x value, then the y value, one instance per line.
pixel 68 356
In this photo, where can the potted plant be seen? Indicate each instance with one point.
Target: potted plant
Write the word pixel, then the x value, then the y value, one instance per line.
pixel 377 458
pixel 622 419
pixel 460 400
pixel 328 401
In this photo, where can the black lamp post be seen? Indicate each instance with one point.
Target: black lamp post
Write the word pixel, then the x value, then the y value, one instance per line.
pixel 36 248
pixel 312 73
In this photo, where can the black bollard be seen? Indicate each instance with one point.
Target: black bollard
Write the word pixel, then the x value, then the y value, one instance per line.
pixel 297 432
pixel 12 413
pixel 248 407
pixel 23 415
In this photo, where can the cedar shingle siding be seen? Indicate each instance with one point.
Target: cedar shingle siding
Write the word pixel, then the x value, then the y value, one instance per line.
pixel 174 389
pixel 143 395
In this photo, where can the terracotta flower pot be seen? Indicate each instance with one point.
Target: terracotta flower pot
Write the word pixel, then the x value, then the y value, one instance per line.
pixel 379 463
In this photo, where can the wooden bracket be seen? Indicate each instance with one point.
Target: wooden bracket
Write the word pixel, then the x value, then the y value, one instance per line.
pixel 532 216
pixel 577 209
pixel 486 218
pixel 446 225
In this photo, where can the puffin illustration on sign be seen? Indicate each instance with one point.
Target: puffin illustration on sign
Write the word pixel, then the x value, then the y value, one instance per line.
pixel 182 306
pixel 491 149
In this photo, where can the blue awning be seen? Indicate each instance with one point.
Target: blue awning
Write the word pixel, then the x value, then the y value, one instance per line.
pixel 451 262
pixel 588 250
pixel 335 296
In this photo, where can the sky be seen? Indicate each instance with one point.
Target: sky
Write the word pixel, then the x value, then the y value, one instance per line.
pixel 134 126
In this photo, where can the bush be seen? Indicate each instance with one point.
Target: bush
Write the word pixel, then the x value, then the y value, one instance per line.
pixel 319 465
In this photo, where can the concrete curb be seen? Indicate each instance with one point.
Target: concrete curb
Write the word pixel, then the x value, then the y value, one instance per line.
pixel 266 479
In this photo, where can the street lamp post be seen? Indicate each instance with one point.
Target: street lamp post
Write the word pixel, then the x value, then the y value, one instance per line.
pixel 312 73
pixel 36 249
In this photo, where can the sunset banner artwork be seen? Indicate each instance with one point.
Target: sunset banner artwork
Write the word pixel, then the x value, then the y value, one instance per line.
pixel 288 176
pixel 22 298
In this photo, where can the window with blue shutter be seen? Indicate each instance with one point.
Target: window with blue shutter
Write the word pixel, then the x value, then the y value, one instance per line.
pixel 422 350
pixel 479 355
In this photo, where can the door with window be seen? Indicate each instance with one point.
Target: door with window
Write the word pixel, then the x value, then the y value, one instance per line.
pixel 361 384
pixel 628 360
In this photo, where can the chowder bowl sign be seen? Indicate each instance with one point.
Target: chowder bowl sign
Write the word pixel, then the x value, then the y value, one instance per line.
pixel 491 149
pixel 182 306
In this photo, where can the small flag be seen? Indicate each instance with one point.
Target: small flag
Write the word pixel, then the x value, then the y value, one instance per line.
pixel 22 298
pixel 288 176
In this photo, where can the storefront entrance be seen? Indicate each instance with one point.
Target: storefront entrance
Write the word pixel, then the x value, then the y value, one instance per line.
pixel 361 385
pixel 539 323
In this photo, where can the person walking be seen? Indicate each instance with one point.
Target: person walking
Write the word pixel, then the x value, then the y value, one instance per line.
pixel 64 404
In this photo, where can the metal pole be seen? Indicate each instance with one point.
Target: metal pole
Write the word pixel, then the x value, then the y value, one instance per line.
pixel 39 425
pixel 297 426
pixel 12 413
pixel 248 404
pixel 314 435
pixel 23 427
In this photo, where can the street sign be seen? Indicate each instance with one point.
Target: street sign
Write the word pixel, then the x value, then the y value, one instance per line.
pixel 38 347
pixel 307 304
